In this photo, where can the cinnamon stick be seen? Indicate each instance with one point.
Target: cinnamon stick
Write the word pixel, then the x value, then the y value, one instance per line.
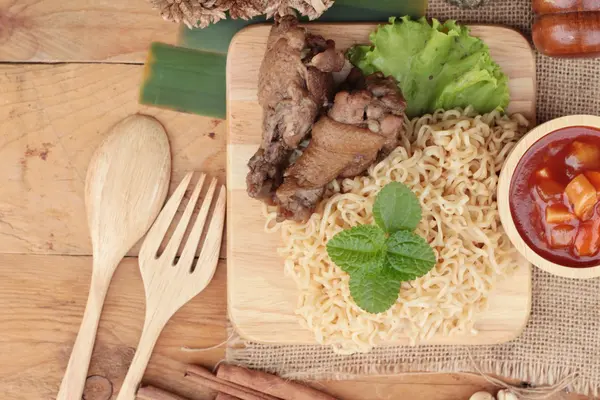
pixel 152 393
pixel 270 384
pixel 205 378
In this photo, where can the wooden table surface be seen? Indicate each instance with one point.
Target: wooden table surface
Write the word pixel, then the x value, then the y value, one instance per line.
pixel 69 70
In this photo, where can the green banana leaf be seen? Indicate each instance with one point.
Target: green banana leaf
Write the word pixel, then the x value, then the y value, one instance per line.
pixel 191 78
pixel 184 80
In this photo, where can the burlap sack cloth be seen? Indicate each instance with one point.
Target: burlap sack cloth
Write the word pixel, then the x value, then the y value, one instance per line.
pixel 563 333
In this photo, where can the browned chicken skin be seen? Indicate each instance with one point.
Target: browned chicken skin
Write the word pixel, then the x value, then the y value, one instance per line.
pixel 364 123
pixel 333 149
pixel 295 86
pixel 295 83
pixel 373 101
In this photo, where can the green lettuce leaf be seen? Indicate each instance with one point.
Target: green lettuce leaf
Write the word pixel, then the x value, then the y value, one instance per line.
pixel 436 65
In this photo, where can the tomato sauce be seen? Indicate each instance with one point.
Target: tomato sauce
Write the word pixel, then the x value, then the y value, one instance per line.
pixel 555 197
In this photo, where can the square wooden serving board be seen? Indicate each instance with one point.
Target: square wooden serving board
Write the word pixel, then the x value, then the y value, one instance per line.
pixel 261 299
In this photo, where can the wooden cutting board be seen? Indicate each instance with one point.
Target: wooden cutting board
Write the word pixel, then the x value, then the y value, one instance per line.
pixel 261 300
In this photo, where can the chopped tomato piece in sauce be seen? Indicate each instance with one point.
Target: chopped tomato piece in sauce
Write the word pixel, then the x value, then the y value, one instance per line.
pixel 543 173
pixel 587 241
pixel 583 156
pixel 549 189
pixel 582 195
pixel 558 213
pixel 562 236
pixel 594 178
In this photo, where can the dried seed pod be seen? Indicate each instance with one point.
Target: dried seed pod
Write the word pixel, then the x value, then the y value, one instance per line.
pixel 482 396
pixel 201 13
pixel 506 395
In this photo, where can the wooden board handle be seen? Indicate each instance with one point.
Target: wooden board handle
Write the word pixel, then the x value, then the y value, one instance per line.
pixel 73 383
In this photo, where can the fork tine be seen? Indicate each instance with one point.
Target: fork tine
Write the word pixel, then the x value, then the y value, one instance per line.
pixel 161 225
pixel 189 251
pixel 209 256
pixel 175 241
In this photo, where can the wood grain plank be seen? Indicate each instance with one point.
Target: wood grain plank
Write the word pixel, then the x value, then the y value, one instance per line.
pixel 80 30
pixel 53 117
pixel 262 300
pixel 41 304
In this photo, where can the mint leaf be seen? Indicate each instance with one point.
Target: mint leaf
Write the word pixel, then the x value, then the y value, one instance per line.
pixel 396 208
pixel 375 291
pixel 359 248
pixel 409 255
pixel 378 263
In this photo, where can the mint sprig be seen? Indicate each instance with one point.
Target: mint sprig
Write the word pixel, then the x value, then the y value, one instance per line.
pixel 409 255
pixel 380 257
pixel 396 208
pixel 359 248
pixel 375 291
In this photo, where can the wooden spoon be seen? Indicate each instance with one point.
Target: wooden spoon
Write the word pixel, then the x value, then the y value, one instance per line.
pixel 126 185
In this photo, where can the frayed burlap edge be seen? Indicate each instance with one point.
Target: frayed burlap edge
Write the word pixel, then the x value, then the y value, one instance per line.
pixel 244 353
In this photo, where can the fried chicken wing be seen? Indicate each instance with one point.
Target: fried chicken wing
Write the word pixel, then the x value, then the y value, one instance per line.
pixel 364 124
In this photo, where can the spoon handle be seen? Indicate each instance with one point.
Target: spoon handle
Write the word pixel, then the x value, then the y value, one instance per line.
pixel 73 383
pixel 152 329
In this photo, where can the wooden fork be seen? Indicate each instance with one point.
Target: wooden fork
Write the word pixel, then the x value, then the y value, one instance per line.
pixel 169 284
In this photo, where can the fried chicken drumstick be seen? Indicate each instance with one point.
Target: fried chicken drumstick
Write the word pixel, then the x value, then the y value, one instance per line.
pixel 295 83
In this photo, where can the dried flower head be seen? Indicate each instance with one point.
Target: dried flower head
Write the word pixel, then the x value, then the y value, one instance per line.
pixel 201 13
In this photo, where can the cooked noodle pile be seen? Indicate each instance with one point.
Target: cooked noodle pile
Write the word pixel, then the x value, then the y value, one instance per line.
pixel 450 160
